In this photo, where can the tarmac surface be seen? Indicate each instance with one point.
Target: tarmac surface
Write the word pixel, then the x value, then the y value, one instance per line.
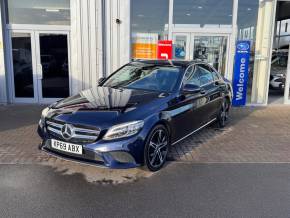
pixel 179 190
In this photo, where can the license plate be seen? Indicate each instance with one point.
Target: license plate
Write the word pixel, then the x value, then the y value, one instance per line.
pixel 67 147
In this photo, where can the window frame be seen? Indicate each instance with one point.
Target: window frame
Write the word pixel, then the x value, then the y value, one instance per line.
pixel 194 65
pixel 193 72
pixel 174 89
pixel 9 24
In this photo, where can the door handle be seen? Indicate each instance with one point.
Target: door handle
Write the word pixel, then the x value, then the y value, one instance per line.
pixel 217 83
pixel 202 91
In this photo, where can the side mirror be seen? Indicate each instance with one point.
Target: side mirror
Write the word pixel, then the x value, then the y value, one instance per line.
pixel 191 89
pixel 101 80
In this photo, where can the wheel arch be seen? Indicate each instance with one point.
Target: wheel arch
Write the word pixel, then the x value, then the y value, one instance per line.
pixel 166 124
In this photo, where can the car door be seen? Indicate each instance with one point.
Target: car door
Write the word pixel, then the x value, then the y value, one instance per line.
pixel 187 107
pixel 212 91
pixel 221 88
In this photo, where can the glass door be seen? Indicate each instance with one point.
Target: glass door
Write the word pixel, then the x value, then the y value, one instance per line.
pixel 211 50
pixel 40 66
pixel 24 78
pixel 52 66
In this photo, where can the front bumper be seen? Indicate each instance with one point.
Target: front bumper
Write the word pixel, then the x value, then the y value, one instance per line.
pixel 126 153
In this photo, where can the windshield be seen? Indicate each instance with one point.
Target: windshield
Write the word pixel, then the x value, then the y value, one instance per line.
pixel 155 78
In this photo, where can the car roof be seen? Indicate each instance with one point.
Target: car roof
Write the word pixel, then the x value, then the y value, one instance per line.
pixel 178 63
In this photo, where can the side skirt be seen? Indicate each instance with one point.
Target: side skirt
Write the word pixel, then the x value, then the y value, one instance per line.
pixel 179 140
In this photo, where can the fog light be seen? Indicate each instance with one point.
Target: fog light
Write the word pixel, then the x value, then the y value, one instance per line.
pixel 98 158
pixel 122 157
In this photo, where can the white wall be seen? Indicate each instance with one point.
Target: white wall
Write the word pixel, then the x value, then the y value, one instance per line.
pixel 117 35
pixel 263 53
pixel 86 43
pixel 3 97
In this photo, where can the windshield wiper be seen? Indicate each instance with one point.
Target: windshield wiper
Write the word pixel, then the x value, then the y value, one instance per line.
pixel 116 87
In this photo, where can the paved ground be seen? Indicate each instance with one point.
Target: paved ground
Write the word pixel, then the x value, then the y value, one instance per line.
pixel 275 97
pixel 179 190
pixel 241 171
pixel 253 135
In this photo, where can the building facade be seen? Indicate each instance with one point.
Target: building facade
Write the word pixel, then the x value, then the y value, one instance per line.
pixel 53 49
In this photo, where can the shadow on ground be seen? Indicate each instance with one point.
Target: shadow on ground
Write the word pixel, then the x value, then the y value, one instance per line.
pixel 16 116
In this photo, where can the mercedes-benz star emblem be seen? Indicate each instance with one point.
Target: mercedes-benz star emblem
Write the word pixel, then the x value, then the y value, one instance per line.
pixel 67 131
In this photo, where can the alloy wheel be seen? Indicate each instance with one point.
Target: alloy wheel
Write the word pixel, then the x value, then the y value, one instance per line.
pixel 224 113
pixel 158 148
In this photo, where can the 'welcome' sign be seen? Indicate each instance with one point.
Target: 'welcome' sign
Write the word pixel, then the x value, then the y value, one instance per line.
pixel 241 73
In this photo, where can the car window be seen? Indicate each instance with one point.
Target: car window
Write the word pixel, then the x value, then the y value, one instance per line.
pixel 215 74
pixel 156 78
pixel 205 76
pixel 188 72
pixel 192 76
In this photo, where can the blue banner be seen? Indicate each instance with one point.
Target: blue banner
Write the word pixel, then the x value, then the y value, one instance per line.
pixel 241 73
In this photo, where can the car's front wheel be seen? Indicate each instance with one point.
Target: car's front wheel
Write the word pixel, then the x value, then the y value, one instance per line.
pixel 156 148
pixel 223 115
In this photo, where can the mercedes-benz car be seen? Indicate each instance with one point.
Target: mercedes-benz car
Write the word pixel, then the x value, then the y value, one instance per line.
pixel 132 118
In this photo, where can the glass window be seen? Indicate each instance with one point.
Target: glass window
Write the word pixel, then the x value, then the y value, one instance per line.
pixel 189 72
pixel 202 13
pixel 212 50
pixel 215 75
pixel 180 47
pixel 149 23
pixel 22 65
pixel 247 23
pixel 145 77
pixel 278 74
pixel 192 76
pixel 52 12
pixel 247 19
pixel 54 61
pixel 205 76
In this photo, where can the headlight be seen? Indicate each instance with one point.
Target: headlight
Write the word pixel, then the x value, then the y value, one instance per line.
pixel 43 115
pixel 44 112
pixel 124 130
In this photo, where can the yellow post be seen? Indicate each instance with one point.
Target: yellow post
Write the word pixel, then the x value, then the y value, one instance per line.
pixel 264 41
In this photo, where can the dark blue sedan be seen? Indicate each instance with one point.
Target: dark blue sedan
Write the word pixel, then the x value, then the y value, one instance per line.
pixel 132 117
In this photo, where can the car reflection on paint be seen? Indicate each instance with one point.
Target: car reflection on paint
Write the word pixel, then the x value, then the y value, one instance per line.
pixel 132 117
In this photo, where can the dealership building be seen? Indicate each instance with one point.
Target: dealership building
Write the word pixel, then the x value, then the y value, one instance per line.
pixel 51 49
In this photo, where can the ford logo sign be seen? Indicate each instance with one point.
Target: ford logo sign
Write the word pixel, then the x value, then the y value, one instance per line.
pixel 243 46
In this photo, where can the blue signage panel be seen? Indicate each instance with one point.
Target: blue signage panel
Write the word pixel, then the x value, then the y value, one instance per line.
pixel 241 73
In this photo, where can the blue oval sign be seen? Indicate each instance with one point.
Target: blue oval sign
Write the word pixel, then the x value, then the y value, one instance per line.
pixel 243 46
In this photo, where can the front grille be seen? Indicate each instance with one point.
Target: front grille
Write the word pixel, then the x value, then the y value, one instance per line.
pixel 81 134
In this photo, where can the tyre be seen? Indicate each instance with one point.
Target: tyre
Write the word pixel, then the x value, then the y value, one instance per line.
pixel 156 148
pixel 223 114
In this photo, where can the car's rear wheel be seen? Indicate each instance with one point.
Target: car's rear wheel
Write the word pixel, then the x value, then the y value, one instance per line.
pixel 223 115
pixel 156 148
